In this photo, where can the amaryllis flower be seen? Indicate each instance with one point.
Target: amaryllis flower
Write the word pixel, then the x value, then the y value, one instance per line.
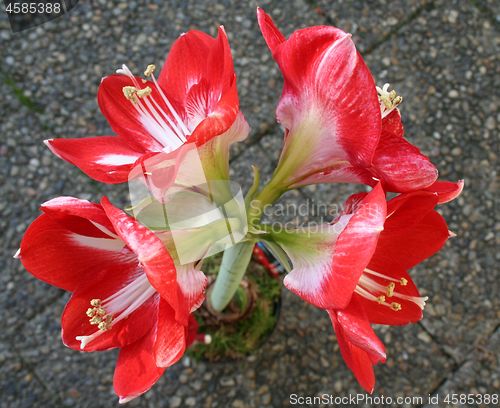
pixel 127 292
pixel 194 100
pixel 360 275
pixel 339 127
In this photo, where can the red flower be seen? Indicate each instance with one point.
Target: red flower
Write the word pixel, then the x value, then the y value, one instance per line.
pixel 359 274
pixel 339 127
pixel 385 293
pixel 194 100
pixel 127 292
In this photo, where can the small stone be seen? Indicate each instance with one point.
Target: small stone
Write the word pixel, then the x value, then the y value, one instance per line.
pixel 424 337
pixel 175 402
pixel 266 399
pixel 453 94
pixel 191 401
pixel 227 382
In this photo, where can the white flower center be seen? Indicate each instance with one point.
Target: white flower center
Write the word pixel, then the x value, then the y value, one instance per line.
pixel 169 130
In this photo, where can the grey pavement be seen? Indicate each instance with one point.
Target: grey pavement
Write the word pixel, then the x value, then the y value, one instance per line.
pixel 442 56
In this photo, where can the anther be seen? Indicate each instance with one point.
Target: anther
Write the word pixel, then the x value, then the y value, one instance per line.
pixel 380 299
pixel 390 289
pixel 95 302
pixel 396 306
pixel 141 93
pixel 130 93
pixel 149 70
pixel 403 282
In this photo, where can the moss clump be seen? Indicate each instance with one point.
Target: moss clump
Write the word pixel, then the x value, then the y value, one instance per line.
pixel 235 340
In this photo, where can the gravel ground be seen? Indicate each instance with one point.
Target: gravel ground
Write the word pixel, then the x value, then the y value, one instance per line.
pixel 440 55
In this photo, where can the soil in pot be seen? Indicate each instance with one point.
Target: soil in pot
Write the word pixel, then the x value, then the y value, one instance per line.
pixel 247 321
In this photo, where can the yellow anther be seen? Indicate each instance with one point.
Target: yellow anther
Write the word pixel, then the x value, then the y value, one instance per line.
pixel 403 282
pixel 130 93
pixel 95 320
pixel 106 323
pixel 389 99
pixel 396 306
pixel 149 70
pixel 141 93
pixel 390 289
pixel 100 311
pixel 381 299
pixel 95 302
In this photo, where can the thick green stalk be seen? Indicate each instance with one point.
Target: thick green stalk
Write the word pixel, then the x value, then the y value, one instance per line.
pixel 236 259
pixel 234 265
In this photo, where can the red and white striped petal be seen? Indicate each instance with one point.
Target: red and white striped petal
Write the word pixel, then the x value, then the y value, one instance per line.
pixel 327 266
pixel 71 243
pixel 151 254
pixel 107 159
pixel 171 339
pixel 329 104
pixel 126 296
pixel 136 371
pixel 192 283
pixel 199 75
pixel 148 123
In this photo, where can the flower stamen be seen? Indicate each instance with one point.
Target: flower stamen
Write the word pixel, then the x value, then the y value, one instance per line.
pixel 106 313
pixel 372 290
pixel 388 100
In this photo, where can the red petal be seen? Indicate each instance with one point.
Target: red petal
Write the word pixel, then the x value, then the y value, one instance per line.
pixel 75 322
pixel 357 359
pixel 171 339
pixel 106 158
pixel 329 102
pixel 400 165
pixel 67 208
pixel 151 253
pixel 446 190
pixel 219 118
pixel 412 233
pixel 392 124
pixel 269 30
pixel 136 371
pixel 324 73
pixel 66 250
pixel 199 75
pixel 356 245
pixel 357 330
pixel 328 278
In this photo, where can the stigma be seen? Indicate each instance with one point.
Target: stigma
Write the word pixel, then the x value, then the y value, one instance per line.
pixel 107 312
pixel 389 100
pixel 372 290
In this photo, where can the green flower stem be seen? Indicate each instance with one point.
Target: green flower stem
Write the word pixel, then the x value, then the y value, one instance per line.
pixel 234 265
pixel 236 259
